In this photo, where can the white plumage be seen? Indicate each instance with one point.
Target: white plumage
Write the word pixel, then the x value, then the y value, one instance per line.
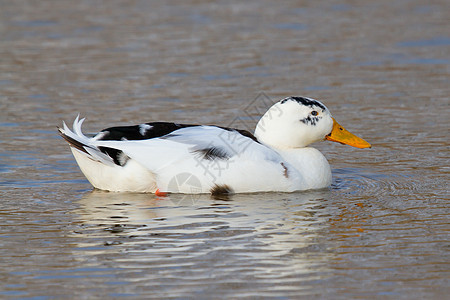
pixel 170 157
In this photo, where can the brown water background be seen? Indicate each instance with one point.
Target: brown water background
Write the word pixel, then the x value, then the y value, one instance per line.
pixel 381 67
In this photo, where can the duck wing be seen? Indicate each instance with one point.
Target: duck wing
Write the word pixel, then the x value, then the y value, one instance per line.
pixel 218 158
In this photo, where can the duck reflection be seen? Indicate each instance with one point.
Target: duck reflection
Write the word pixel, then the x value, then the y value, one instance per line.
pixel 271 236
pixel 283 221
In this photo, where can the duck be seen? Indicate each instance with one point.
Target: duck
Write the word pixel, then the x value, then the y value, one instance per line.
pixel 165 157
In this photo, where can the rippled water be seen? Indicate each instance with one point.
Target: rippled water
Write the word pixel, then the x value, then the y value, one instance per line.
pixel 381 230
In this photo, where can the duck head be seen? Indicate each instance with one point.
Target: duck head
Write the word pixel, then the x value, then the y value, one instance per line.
pixel 296 122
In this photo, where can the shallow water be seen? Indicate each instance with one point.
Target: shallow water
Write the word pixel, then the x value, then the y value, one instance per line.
pixel 381 230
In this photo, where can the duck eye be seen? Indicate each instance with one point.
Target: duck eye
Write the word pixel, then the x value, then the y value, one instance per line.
pixel 314 113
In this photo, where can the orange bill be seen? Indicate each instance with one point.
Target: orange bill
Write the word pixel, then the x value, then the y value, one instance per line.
pixel 341 135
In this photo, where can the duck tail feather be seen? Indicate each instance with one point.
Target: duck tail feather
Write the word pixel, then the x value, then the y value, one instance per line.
pixel 79 141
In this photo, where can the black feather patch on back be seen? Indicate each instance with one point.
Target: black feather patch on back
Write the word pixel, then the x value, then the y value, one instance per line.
pixel 240 131
pixel 118 156
pixel 141 132
pixel 154 130
pixel 212 153
pixel 135 132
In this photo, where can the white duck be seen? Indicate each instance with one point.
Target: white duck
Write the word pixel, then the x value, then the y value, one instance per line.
pixel 164 157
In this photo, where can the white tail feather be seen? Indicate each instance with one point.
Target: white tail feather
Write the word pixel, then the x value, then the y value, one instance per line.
pixel 77 126
pixel 88 145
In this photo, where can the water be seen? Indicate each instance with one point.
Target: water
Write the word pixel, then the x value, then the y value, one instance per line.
pixel 381 231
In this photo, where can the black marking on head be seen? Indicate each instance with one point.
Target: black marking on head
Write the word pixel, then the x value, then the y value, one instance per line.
pixel 286 171
pixel 305 101
pixel 310 120
pixel 221 190
pixel 212 153
pixel 240 131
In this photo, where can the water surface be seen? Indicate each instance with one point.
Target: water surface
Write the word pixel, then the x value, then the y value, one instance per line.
pixel 380 231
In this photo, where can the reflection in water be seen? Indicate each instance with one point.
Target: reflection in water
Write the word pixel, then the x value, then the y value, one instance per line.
pixel 381 231
pixel 271 236
pixel 259 213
